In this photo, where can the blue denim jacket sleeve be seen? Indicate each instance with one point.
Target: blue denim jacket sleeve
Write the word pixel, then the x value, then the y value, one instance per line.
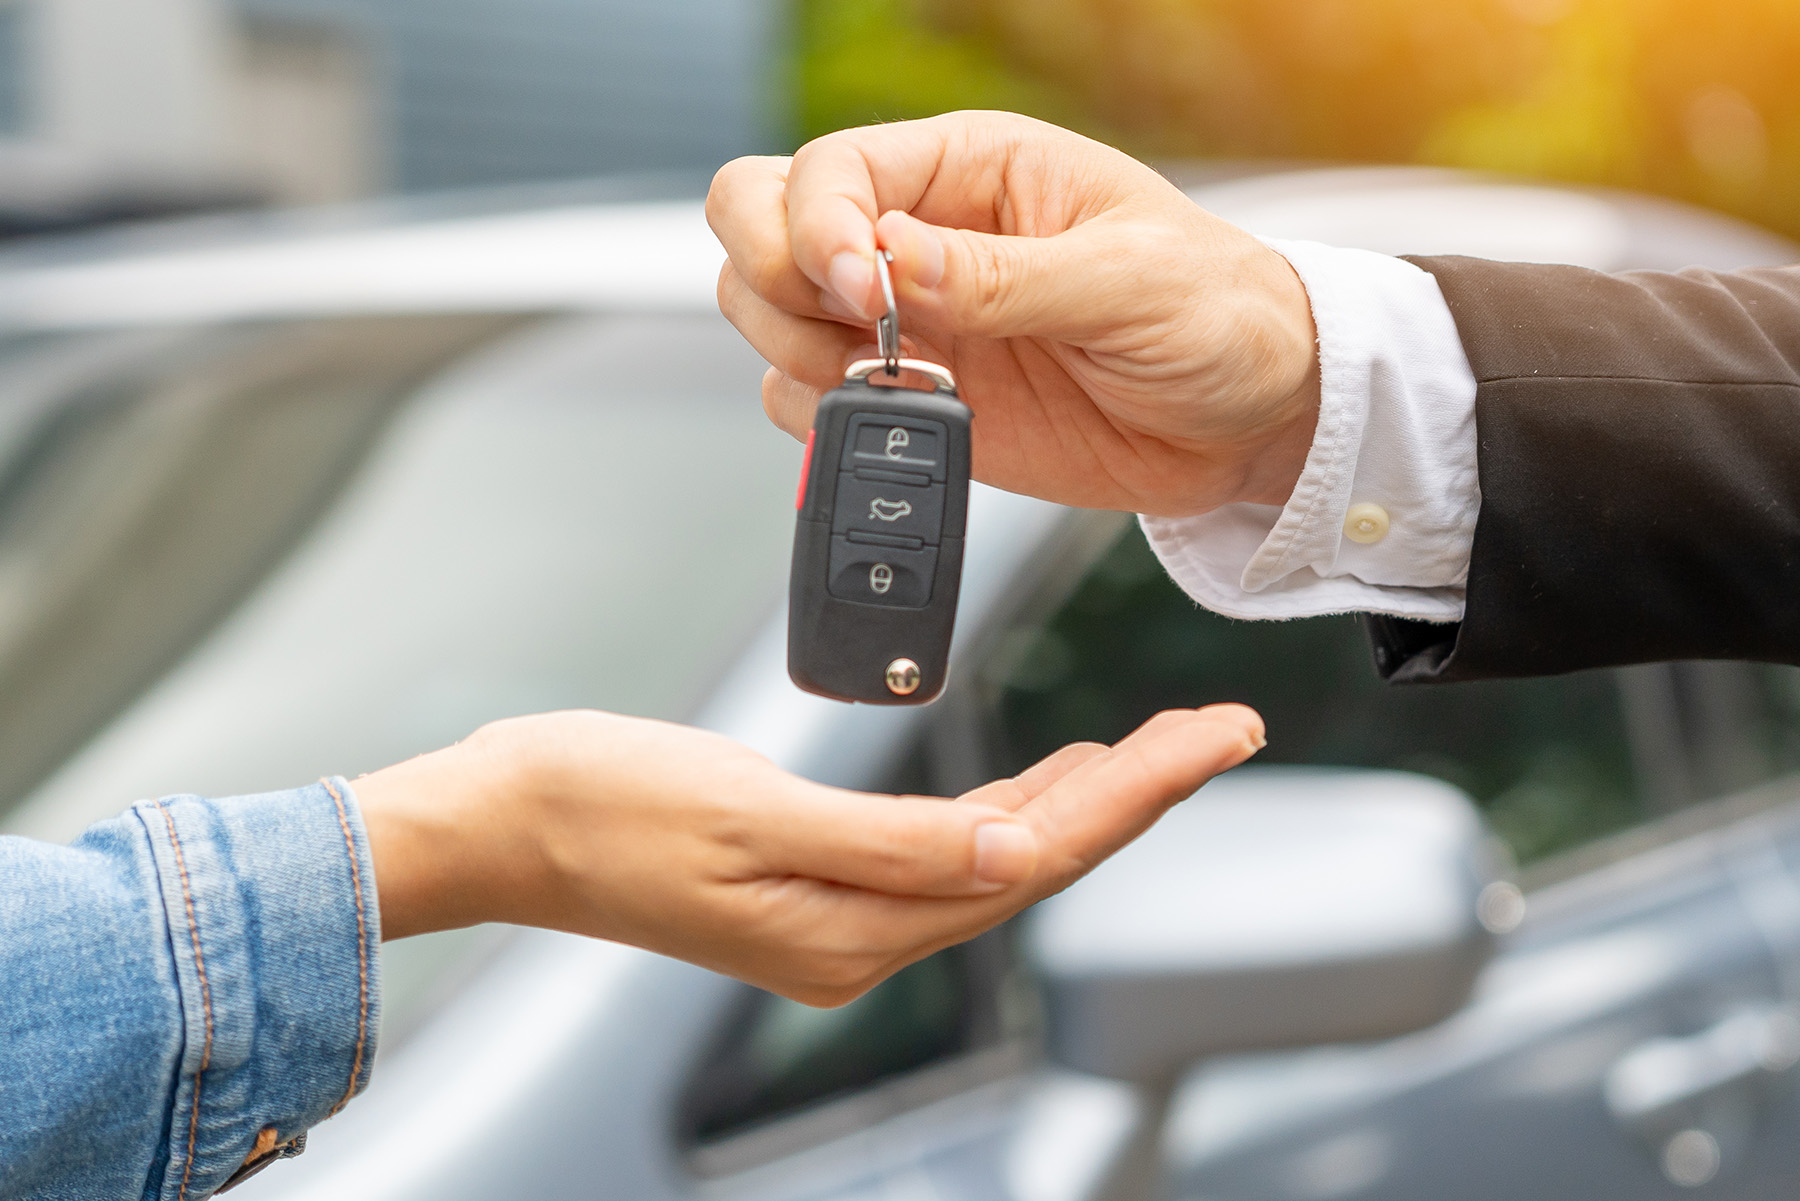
pixel 186 985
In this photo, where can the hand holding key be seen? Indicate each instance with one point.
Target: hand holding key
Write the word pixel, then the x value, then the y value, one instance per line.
pixel 1120 347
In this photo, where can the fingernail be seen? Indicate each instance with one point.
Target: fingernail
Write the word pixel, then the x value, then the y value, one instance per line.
pixel 1005 852
pixel 1259 735
pixel 837 308
pixel 851 277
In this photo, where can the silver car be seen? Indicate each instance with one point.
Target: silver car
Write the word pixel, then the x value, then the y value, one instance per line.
pixel 282 497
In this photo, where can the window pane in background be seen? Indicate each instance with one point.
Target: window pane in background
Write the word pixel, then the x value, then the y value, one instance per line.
pixel 1553 762
pixel 777 1057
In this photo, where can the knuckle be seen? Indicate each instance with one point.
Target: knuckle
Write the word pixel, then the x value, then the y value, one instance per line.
pixel 822 144
pixel 889 856
pixel 914 870
pixel 718 195
pixel 837 145
pixel 733 180
pixel 726 292
pixel 908 875
pixel 778 399
pixel 991 275
pixel 767 266
pixel 726 191
pixel 788 403
pixel 911 857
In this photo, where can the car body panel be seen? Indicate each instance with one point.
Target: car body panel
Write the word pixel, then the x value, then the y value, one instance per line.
pixel 1510 1092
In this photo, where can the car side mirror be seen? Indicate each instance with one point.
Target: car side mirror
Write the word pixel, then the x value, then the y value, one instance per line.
pixel 1276 908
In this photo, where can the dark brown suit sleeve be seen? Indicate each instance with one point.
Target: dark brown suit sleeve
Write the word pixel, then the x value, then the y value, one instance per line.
pixel 1639 456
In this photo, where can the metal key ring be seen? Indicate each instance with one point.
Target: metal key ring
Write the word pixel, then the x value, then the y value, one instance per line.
pixel 887 326
pixel 940 376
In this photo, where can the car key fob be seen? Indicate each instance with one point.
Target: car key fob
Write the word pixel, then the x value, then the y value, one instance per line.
pixel 878 544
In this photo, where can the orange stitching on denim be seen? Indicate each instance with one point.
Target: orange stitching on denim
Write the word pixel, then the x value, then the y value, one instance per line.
pixel 362 952
pixel 187 894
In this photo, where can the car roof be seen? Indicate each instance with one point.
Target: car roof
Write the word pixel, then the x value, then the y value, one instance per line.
pixel 656 255
pixel 632 247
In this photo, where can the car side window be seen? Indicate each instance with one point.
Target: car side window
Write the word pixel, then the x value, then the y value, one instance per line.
pixel 148 481
pixel 774 1058
pixel 1554 762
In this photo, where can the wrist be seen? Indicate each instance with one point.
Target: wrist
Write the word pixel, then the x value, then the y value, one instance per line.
pixel 1274 463
pixel 452 838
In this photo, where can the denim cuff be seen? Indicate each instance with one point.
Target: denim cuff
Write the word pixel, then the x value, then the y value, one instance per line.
pixel 273 926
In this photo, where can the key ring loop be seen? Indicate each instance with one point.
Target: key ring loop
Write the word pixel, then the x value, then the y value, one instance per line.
pixel 945 383
pixel 887 326
pixel 887 340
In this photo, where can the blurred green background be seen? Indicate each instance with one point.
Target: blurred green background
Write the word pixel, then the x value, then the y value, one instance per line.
pixel 1694 100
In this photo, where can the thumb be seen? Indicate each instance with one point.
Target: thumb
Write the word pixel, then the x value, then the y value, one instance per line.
pixel 1001 286
pixel 908 846
pixel 1111 798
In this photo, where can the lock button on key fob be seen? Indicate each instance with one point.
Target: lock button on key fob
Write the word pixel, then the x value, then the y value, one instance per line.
pixel 873 574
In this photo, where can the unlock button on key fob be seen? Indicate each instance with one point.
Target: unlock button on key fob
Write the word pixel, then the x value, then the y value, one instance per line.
pixel 862 570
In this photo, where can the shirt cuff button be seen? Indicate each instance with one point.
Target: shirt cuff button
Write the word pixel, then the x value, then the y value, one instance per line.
pixel 1366 523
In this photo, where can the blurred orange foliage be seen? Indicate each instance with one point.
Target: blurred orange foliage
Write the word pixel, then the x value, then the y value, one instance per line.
pixel 1697 99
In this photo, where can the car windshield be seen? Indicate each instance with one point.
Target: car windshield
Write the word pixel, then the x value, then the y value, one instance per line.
pixel 235 559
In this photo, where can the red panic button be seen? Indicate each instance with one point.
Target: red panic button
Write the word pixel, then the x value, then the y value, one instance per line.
pixel 805 470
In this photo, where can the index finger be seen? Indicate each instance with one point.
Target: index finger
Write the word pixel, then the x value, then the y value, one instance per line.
pixel 1103 800
pixel 841 183
pixel 796 227
pixel 951 170
pixel 1085 802
pixel 747 209
pixel 1110 799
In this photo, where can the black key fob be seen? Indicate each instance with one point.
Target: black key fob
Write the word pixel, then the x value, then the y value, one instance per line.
pixel 878 546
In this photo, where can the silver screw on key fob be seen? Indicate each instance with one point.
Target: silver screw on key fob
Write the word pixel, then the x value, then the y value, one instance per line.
pixel 878 546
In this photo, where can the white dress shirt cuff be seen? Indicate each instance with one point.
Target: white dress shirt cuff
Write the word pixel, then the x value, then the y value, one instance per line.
pixel 1382 519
